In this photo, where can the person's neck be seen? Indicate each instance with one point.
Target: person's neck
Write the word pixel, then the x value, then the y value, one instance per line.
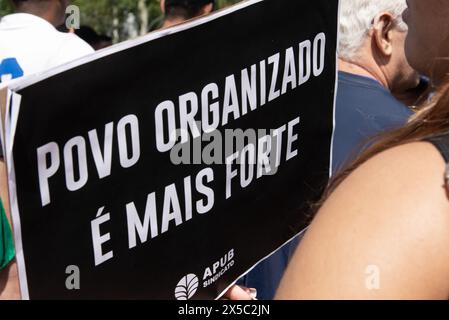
pixel 172 22
pixel 364 70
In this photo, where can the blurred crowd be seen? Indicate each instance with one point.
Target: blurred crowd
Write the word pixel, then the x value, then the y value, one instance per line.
pixel 386 208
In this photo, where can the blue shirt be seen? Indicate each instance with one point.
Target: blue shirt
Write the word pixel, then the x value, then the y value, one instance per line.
pixel 364 109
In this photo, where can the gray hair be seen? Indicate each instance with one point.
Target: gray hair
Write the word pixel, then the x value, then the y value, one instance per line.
pixel 356 20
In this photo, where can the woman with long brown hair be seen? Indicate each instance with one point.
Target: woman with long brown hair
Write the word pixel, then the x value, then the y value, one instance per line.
pixel 382 231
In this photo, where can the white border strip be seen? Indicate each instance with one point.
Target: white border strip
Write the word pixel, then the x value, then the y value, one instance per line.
pixel 32 79
pixel 2 126
pixel 335 94
pixel 12 113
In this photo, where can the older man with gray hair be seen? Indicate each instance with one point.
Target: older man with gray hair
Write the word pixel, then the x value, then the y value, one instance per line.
pixel 372 66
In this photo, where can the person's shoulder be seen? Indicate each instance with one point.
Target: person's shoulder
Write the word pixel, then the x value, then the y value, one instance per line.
pixel 352 80
pixel 409 156
pixel 407 166
pixel 368 95
pixel 396 107
pixel 70 47
pixel 70 40
pixel 391 213
pixel 407 181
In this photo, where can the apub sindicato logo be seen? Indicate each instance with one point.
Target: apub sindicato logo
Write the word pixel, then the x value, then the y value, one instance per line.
pixel 188 285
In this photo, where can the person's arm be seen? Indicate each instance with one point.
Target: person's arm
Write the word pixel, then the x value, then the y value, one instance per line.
pixel 9 280
pixel 4 194
pixel 9 283
pixel 383 234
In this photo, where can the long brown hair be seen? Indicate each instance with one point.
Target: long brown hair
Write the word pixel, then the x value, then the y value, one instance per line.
pixel 432 120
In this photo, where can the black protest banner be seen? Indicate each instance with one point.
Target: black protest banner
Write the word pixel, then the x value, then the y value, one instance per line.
pixel 166 167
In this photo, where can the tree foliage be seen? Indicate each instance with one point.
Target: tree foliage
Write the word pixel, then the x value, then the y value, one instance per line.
pixel 5 7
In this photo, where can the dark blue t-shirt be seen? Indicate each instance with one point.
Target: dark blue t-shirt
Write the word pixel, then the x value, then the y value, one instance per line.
pixel 364 108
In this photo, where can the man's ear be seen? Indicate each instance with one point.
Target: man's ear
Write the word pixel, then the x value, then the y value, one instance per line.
pixel 163 6
pixel 208 8
pixel 383 26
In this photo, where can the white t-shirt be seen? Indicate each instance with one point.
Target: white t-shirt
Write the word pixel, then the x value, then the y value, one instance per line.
pixel 30 44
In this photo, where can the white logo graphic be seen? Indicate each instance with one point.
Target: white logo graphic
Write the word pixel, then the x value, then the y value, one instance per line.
pixel 187 287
